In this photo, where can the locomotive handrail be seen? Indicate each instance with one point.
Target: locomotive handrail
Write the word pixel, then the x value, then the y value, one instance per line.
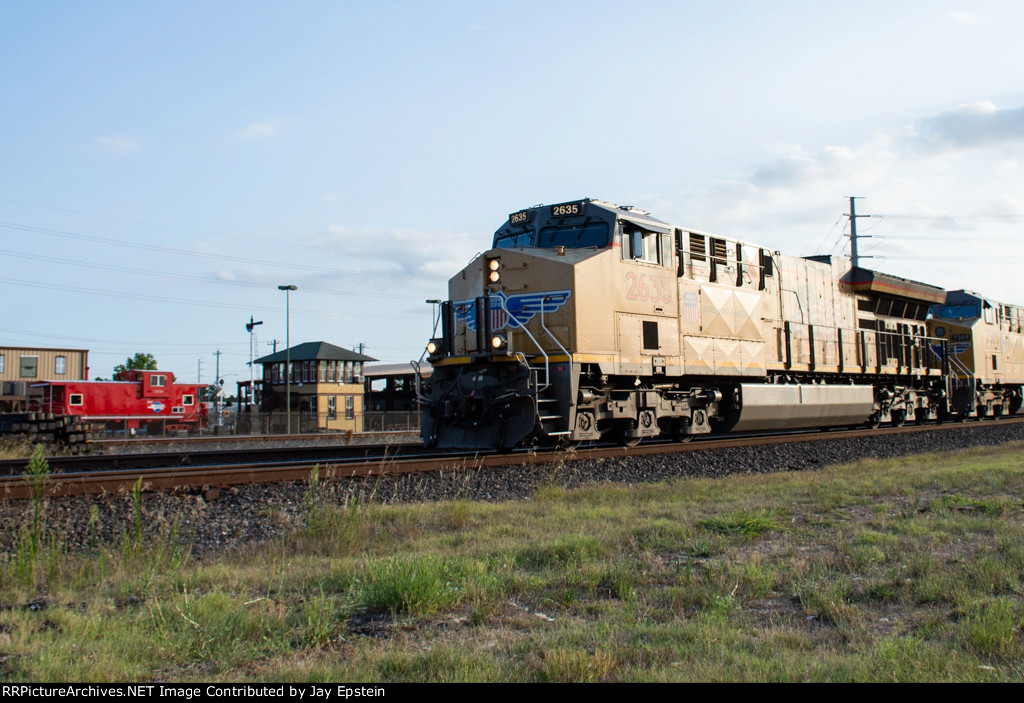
pixel 543 326
pixel 552 335
pixel 416 364
pixel 547 374
pixel 961 370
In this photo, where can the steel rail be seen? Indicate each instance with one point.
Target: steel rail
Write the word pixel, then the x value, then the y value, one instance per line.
pixel 219 476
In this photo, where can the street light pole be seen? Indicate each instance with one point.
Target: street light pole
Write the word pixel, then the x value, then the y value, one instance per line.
pixel 288 355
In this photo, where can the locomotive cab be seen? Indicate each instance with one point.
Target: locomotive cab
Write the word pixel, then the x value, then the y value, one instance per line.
pixel 982 343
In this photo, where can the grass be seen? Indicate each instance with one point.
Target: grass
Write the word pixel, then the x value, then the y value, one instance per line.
pixel 908 570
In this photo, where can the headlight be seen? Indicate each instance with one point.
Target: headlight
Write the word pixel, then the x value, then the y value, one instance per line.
pixel 431 348
pixel 499 341
pixel 493 270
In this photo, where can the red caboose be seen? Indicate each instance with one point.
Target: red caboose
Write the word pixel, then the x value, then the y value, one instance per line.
pixel 135 399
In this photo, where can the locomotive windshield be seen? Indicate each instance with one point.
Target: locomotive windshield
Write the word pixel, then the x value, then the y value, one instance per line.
pixel 511 241
pixel 580 236
pixel 950 312
pixel 594 234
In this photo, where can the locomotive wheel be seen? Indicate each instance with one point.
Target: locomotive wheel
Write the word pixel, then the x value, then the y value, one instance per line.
pixel 624 440
pixel 683 438
pixel 899 417
pixel 874 420
pixel 921 416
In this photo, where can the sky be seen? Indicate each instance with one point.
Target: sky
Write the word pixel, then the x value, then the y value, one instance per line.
pixel 165 166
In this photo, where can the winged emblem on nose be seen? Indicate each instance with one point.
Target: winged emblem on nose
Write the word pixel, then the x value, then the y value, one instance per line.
pixel 512 311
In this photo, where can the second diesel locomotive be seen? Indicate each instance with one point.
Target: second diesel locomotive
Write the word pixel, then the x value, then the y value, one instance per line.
pixel 587 320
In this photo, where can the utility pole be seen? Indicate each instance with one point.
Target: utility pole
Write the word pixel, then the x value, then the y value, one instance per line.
pixel 854 256
pixel 199 372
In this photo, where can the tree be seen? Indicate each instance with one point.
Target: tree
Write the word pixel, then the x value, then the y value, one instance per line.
pixel 139 362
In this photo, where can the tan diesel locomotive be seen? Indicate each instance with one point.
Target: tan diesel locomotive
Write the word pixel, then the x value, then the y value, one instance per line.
pixel 587 321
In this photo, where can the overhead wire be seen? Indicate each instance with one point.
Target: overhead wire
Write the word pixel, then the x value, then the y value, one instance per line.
pixel 180 301
pixel 187 277
pixel 204 255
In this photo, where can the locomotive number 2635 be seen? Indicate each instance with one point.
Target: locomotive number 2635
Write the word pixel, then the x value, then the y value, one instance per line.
pixel 649 288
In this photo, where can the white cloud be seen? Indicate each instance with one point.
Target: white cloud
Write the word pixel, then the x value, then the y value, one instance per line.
pixel 972 125
pixel 428 257
pixel 117 144
pixel 258 130
pixel 965 17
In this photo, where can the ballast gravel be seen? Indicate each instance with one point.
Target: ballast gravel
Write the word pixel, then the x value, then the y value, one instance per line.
pixel 217 521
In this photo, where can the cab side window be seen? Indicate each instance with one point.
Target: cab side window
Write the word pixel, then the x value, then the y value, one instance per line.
pixel 641 245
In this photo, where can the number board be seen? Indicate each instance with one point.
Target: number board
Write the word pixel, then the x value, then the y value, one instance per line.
pixel 568 209
pixel 521 217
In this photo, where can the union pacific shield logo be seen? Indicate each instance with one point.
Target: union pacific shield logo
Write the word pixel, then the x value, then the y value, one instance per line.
pixel 512 311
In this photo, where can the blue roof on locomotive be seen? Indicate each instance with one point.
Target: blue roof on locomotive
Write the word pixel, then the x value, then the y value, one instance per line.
pixel 576 224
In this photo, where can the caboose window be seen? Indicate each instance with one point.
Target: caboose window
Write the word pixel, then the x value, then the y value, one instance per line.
pixel 188 400
pixel 158 381
pixel 75 399
pixel 581 236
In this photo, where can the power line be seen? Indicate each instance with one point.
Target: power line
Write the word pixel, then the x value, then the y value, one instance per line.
pixel 205 233
pixel 829 234
pixel 186 277
pixel 991 218
pixel 204 255
pixel 182 301
pixel 184 345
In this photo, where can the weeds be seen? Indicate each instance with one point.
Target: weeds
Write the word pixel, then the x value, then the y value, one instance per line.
pixel 873 574
pixel 990 627
pixel 743 524
pixel 414 585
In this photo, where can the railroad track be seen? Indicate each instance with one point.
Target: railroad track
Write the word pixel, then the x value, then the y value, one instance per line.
pixel 212 477
pixel 191 457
